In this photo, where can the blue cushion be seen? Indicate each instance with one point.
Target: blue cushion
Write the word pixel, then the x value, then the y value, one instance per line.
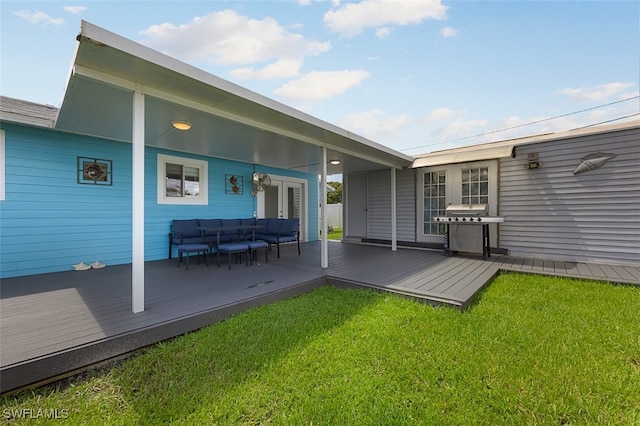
pixel 231 223
pixel 193 247
pixel 188 228
pixel 210 223
pixel 287 238
pixel 247 222
pixel 257 244
pixel 233 247
pixel 188 240
pixel 272 239
pixel 273 227
pixel 263 224
pixel 289 226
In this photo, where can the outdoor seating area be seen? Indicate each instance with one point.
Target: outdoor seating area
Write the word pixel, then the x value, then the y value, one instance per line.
pixel 232 236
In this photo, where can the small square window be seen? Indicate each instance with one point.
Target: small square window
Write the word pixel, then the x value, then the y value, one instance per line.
pixel 182 180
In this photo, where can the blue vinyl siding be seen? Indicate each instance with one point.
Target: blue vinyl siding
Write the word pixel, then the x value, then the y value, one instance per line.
pixel 48 221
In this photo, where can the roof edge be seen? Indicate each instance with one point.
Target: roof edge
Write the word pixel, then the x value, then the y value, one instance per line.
pixel 504 148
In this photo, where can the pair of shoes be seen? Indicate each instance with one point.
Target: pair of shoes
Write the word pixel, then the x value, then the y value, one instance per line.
pixel 81 267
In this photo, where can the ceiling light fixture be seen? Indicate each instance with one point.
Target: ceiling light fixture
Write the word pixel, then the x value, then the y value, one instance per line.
pixel 181 125
pixel 335 162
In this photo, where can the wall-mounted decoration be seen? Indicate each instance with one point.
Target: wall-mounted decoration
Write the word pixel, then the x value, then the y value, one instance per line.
pixel 94 171
pixel 592 161
pixel 233 184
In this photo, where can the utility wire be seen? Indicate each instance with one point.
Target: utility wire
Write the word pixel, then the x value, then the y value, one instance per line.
pixel 536 122
pixel 607 121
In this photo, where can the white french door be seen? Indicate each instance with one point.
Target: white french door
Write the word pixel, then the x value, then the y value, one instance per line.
pixel 439 186
pixel 285 198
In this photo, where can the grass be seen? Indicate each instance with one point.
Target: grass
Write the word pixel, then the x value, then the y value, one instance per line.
pixel 335 234
pixel 532 350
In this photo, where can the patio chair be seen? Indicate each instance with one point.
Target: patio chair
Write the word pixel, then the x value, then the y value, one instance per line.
pixel 197 248
pixel 254 246
pixel 233 248
pixel 184 232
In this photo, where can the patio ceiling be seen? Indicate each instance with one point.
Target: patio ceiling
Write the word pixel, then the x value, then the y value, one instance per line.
pixel 228 121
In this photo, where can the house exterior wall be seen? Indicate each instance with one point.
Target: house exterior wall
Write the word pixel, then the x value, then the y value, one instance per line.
pixel 549 212
pixel 379 205
pixel 591 217
pixel 48 221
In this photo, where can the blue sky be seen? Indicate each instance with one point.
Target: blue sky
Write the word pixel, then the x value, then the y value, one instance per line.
pixel 413 75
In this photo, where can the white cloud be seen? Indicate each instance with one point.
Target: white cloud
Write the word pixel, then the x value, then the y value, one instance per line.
pixel 321 84
pixel 228 38
pixel 383 32
pixel 74 10
pixel 601 92
pixel 448 32
pixel 278 69
pixel 38 17
pixel 440 114
pixel 375 124
pixel 352 18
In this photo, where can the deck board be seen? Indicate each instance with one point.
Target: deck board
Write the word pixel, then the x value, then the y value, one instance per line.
pixel 62 320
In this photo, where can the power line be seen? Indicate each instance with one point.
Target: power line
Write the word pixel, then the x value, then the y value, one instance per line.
pixel 607 121
pixel 536 122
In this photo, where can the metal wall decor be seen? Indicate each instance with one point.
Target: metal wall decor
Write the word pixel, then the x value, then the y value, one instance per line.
pixel 592 162
pixel 233 184
pixel 94 171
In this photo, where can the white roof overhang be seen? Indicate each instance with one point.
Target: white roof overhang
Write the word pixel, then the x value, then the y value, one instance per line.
pixel 228 121
pixel 453 156
pixel 507 148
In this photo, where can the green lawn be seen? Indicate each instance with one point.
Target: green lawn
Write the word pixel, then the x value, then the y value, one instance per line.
pixel 336 234
pixel 531 350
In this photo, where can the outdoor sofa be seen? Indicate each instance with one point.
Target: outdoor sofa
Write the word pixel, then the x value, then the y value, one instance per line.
pixel 274 231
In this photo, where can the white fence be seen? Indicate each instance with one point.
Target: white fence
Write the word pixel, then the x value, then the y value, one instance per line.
pixel 334 216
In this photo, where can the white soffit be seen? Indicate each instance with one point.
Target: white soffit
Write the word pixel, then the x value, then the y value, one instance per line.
pixel 463 155
pixel 229 121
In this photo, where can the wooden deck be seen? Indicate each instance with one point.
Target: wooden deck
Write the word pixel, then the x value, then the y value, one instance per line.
pixel 58 323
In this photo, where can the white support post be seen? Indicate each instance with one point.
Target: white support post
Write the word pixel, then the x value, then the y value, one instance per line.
pixel 394 227
pixel 137 249
pixel 324 257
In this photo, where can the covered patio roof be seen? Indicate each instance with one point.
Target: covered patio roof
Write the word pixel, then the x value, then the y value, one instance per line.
pixel 228 121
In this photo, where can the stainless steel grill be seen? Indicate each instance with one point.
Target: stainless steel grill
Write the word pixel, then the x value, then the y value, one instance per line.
pixel 459 236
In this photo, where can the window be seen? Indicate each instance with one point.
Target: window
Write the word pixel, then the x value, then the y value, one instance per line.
pixel 475 185
pixel 434 201
pixel 182 180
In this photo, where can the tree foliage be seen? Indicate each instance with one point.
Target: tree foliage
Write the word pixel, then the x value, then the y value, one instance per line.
pixel 334 197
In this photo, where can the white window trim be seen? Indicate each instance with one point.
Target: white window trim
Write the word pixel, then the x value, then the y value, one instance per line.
pixel 201 199
pixel 2 166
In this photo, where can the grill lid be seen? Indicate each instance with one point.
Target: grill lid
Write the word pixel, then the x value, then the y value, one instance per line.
pixel 467 210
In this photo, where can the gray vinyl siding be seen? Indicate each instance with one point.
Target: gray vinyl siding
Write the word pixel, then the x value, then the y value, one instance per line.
pixel 592 217
pixel 379 205
pixel 406 204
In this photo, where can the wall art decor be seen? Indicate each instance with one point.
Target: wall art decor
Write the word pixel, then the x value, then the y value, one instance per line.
pixel 233 184
pixel 94 171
